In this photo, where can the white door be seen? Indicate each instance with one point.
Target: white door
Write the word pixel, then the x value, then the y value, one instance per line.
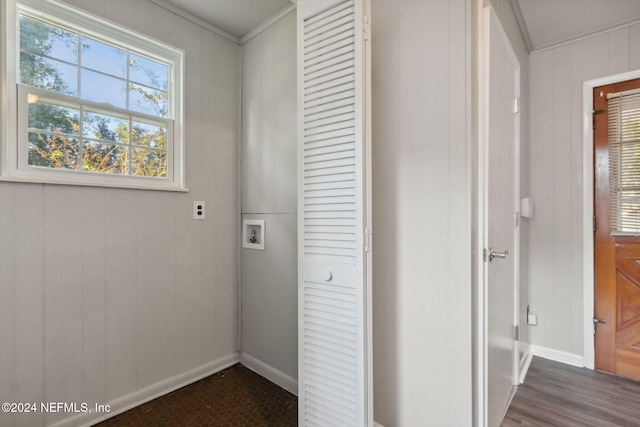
pixel 334 290
pixel 501 170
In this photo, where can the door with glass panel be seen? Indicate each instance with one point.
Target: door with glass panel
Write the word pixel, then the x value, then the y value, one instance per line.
pixel 617 228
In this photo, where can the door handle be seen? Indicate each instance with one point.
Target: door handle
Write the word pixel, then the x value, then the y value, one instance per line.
pixel 493 254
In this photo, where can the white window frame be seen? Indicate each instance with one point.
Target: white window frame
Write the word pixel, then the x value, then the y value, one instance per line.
pixel 13 164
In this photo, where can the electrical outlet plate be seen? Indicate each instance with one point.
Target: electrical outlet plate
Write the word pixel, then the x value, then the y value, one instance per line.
pixel 198 209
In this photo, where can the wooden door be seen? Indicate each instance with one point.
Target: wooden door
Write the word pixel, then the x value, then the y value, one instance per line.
pixel 502 197
pixel 617 247
pixel 334 228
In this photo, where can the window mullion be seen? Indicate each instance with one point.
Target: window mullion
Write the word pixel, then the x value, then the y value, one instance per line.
pixel 128 77
pixel 81 139
pixel 130 145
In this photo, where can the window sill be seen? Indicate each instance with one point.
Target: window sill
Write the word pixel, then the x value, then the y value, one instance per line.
pixel 129 185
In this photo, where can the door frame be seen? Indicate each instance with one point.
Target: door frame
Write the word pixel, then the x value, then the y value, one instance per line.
pixel 481 397
pixel 587 208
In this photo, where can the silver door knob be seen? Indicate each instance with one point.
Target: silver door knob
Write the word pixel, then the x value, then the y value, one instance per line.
pixel 493 254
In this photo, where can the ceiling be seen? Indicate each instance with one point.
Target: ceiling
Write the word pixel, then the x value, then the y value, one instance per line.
pixel 236 17
pixel 550 22
pixel 546 22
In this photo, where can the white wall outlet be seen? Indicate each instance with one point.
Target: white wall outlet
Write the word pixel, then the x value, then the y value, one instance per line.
pixel 532 319
pixel 198 210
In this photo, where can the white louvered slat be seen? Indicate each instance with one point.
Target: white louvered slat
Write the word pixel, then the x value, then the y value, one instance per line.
pixel 322 117
pixel 331 94
pixel 329 107
pixel 334 375
pixel 321 121
pixel 329 142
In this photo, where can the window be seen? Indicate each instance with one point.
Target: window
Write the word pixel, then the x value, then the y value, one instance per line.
pixel 95 104
pixel 624 161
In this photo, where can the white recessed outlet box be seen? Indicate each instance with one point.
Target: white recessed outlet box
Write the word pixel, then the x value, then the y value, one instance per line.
pixel 198 209
pixel 253 234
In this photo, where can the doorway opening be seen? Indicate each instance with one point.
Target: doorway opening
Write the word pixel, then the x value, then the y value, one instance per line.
pixel 588 209
pixel 616 120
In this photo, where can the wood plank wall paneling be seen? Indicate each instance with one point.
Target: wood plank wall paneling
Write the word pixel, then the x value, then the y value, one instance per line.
pixel 419 109
pixel 285 123
pixel 93 261
pixel 7 298
pixel 120 252
pixel 27 252
pixel 225 178
pixel 385 184
pixel 107 291
pixel 555 248
pixel 269 192
pixel 269 120
pixel 63 289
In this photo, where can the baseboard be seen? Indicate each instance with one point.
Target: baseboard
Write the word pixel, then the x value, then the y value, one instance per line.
pixel 524 364
pixel 558 356
pixel 269 372
pixel 154 391
pixel 375 424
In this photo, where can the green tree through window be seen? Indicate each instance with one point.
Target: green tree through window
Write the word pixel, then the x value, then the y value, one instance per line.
pixel 69 135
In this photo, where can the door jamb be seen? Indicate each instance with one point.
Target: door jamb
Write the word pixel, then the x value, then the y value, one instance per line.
pixel 587 208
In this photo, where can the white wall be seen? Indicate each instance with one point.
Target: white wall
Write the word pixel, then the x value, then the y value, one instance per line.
pixel 421 214
pixel 269 185
pixel 556 265
pixel 113 295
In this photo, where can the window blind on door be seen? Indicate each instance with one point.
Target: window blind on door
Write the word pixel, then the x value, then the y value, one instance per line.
pixel 624 162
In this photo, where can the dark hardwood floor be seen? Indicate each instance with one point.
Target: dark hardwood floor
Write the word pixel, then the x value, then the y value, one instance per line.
pixel 555 394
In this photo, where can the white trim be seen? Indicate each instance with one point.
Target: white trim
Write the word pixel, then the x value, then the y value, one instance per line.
pixel 585 36
pixel 558 356
pixel 522 25
pixel 7 115
pixel 525 363
pixel 267 23
pixel 588 261
pixel 196 20
pixel 375 424
pixel 480 374
pixel 274 375
pixel 149 393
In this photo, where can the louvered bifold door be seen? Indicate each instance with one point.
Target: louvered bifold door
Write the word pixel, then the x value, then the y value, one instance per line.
pixel 334 382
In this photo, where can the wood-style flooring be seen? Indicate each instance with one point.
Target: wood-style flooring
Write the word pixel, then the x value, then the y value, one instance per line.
pixel 555 394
